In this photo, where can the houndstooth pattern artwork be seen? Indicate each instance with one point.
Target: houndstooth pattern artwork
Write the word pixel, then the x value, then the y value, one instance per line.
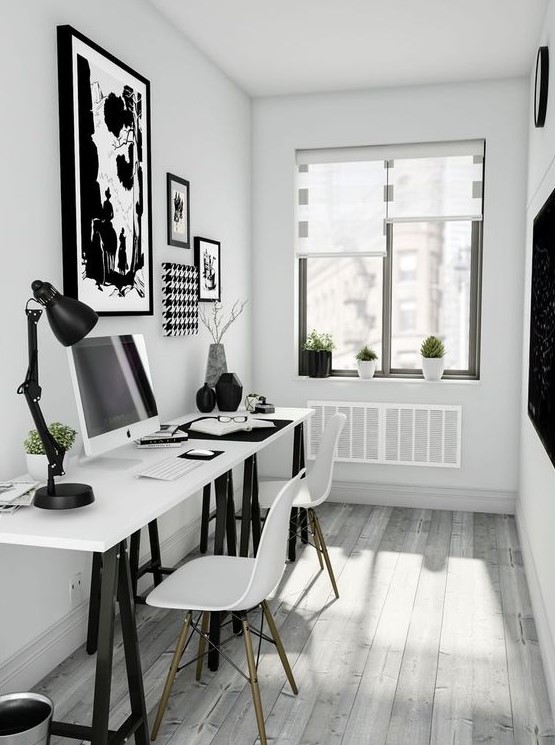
pixel 180 299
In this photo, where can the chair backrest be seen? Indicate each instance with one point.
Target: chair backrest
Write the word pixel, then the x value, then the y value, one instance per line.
pixel 270 559
pixel 320 475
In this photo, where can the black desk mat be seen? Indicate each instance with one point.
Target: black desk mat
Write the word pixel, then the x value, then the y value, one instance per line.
pixel 253 435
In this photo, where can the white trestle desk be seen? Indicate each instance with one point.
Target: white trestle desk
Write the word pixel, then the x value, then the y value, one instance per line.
pixel 124 504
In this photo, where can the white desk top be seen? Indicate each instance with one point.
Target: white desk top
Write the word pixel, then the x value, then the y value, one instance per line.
pixel 123 503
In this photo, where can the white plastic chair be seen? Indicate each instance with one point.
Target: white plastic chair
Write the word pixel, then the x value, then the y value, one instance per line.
pixel 235 584
pixel 313 490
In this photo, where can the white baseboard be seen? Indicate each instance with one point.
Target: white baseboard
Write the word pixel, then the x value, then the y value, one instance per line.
pixel 25 668
pixel 546 637
pixel 424 497
pixel 29 665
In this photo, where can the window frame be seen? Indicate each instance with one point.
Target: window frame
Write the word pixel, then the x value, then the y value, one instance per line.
pixel 475 300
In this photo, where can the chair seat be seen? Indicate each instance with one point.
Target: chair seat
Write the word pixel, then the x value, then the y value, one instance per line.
pixel 268 491
pixel 210 583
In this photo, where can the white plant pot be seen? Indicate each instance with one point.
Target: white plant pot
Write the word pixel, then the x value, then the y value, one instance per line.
pixel 433 367
pixel 366 368
pixel 37 466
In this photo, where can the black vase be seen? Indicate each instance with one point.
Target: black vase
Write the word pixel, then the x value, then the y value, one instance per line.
pixel 206 399
pixel 318 363
pixel 229 392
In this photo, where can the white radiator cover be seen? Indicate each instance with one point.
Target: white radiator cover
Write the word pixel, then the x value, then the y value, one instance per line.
pixel 389 433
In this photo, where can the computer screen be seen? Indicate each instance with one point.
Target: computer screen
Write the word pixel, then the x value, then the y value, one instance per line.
pixel 113 391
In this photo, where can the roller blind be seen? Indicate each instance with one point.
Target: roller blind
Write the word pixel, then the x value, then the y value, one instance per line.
pixel 347 196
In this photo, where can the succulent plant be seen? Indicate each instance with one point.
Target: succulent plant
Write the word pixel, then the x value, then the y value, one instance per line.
pixel 366 354
pixel 432 347
pixel 64 436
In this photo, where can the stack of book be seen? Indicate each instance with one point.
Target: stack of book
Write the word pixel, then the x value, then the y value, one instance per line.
pixel 165 438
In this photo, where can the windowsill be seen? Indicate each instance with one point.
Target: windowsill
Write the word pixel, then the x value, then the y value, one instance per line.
pixel 389 381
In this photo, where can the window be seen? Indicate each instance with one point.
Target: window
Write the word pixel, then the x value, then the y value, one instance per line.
pixel 389 252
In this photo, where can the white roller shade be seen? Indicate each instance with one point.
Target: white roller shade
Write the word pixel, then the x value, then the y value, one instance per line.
pixel 346 196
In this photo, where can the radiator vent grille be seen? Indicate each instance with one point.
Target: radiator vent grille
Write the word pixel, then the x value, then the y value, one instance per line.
pixel 397 434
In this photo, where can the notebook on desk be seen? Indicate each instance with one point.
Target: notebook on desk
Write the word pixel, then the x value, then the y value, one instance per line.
pixel 212 426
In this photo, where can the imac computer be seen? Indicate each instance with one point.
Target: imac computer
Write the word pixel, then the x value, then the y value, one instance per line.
pixel 113 390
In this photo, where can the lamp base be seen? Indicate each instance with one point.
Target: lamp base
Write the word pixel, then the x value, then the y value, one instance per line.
pixel 67 497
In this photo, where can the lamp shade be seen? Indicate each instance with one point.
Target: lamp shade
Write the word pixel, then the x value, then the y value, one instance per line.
pixel 70 319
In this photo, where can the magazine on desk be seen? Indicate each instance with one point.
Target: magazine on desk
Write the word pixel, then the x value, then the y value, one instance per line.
pixel 15 494
pixel 211 426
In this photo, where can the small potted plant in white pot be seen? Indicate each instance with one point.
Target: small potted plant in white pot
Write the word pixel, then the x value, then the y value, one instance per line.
pixel 319 348
pixel 37 462
pixel 366 362
pixel 433 362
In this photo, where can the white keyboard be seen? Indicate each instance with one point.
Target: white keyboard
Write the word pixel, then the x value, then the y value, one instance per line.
pixel 170 469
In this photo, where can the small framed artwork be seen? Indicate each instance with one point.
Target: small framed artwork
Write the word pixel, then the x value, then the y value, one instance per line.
pixel 207 260
pixel 180 299
pixel 178 211
pixel 104 110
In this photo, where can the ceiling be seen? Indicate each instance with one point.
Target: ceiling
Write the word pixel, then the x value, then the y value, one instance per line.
pixel 308 46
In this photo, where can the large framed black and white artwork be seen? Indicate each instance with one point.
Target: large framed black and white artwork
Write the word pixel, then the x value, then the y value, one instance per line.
pixel 541 373
pixel 208 262
pixel 105 178
pixel 178 211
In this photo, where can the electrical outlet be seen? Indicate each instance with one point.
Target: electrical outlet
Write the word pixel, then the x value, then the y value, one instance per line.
pixel 75 590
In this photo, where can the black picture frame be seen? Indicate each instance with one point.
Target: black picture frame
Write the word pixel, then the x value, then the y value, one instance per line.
pixel 105 159
pixel 178 211
pixel 541 365
pixel 208 263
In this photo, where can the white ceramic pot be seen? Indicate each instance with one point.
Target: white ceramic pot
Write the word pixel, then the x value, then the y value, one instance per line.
pixel 433 367
pixel 37 466
pixel 366 368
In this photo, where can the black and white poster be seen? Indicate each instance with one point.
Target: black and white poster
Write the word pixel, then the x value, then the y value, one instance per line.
pixel 178 211
pixel 207 260
pixel 105 171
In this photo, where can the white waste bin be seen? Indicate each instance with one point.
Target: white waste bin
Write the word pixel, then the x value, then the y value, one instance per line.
pixel 25 719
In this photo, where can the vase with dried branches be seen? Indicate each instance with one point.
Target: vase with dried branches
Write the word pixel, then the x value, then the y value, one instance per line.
pixel 217 321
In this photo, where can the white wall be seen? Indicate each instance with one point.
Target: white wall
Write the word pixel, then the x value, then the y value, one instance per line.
pixel 496 111
pixel 536 503
pixel 200 131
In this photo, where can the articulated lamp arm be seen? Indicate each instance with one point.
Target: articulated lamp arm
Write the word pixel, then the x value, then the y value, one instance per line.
pixel 32 391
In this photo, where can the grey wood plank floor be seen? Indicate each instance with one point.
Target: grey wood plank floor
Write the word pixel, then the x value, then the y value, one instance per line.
pixel 432 642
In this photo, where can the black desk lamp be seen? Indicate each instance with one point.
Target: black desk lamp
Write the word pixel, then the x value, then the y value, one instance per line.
pixel 70 320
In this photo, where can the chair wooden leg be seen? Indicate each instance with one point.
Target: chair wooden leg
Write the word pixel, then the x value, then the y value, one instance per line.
pixel 171 676
pixel 315 536
pixel 279 646
pixel 253 679
pixel 202 643
pixel 326 554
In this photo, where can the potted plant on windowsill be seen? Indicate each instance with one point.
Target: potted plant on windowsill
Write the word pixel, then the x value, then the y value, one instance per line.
pixel 318 348
pixel 433 362
pixel 37 462
pixel 366 362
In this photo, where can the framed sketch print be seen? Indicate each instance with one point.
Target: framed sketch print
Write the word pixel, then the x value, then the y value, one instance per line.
pixel 207 259
pixel 178 211
pixel 105 177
